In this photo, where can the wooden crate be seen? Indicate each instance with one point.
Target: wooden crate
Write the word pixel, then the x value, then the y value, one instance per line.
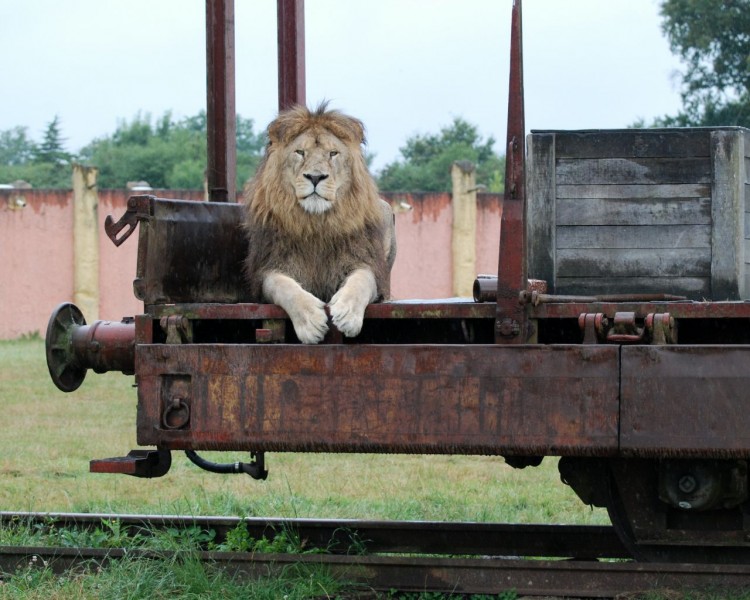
pixel 640 210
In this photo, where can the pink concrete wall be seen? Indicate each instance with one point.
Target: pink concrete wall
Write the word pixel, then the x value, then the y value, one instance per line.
pixel 36 252
pixel 36 258
pixel 489 214
pixel 116 264
pixel 423 233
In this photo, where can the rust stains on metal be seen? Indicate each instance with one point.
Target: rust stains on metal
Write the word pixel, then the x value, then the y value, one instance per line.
pixel 291 44
pixel 437 309
pixel 511 326
pixel 220 103
pixel 73 347
pixel 679 310
pixel 481 399
pixel 682 400
pixel 138 209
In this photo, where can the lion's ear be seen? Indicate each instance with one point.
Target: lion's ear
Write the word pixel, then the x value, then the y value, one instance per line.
pixel 275 132
pixel 359 128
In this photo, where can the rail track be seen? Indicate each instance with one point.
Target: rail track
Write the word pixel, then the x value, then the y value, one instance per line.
pixel 407 556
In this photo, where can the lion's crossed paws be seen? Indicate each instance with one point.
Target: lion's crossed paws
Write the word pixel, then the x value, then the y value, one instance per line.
pixel 348 311
pixel 309 318
pixel 311 322
pixel 347 308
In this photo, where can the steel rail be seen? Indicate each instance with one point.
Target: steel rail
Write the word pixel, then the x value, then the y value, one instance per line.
pixel 340 535
pixel 580 579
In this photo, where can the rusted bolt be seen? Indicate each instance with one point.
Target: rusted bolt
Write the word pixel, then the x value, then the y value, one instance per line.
pixel 508 327
pixel 687 484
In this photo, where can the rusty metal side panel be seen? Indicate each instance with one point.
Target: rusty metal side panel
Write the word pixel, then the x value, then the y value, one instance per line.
pixel 191 252
pixel 408 399
pixel 685 401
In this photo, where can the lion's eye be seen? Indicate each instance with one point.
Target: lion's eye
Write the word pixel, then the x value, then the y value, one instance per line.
pixel 300 152
pixel 333 153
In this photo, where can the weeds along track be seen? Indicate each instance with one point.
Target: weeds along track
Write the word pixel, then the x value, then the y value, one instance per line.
pixel 371 555
pixel 331 536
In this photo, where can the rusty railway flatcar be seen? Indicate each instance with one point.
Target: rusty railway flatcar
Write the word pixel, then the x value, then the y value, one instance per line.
pixel 615 336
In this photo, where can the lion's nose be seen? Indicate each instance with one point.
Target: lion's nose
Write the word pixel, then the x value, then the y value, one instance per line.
pixel 315 179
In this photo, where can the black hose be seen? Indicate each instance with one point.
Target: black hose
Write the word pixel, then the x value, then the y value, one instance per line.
pixel 255 469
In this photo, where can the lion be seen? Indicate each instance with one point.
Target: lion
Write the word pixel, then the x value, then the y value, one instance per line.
pixel 319 235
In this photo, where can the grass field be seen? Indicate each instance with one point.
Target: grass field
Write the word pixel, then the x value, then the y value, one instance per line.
pixel 48 438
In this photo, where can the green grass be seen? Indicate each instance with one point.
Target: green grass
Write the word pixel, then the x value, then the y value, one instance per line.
pixel 181 577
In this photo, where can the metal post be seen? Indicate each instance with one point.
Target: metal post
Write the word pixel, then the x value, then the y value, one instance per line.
pixel 291 37
pixel 511 323
pixel 220 104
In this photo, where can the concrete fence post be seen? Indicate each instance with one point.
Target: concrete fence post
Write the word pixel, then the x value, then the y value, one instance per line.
pixel 86 242
pixel 464 232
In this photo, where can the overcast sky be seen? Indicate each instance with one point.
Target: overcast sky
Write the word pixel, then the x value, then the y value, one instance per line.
pixel 402 66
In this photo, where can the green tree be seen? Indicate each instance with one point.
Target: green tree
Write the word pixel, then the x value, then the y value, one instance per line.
pixel 427 159
pixel 15 147
pixel 249 150
pixel 166 153
pixel 45 165
pixel 713 40
pixel 52 150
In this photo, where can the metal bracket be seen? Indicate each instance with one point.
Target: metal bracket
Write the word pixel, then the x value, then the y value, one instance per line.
pixel 662 328
pixel 138 463
pixel 178 328
pixel 624 328
pixel 139 208
pixel 594 327
pixel 507 328
pixel 272 331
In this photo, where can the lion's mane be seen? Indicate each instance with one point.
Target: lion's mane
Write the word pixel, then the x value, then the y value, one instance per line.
pixel 317 250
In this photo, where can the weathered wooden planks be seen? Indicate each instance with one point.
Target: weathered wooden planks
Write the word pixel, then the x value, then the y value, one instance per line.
pixel 632 143
pixel 634 236
pixel 611 171
pixel 612 210
pixel 625 211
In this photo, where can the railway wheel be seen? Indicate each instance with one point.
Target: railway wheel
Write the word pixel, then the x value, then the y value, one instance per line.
pixel 680 510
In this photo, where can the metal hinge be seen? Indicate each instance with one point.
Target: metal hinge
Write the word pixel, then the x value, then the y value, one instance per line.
pixel 626 328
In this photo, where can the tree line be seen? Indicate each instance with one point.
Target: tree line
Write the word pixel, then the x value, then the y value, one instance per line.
pixel 171 153
pixel 712 39
pixel 165 152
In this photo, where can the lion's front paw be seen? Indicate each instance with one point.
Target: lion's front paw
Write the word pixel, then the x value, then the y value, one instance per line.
pixel 347 313
pixel 310 320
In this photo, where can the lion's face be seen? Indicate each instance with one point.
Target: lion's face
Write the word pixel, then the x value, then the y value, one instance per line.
pixel 313 177
pixel 318 166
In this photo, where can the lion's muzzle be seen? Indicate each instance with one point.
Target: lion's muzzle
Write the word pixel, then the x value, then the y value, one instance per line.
pixel 315 204
pixel 315 179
